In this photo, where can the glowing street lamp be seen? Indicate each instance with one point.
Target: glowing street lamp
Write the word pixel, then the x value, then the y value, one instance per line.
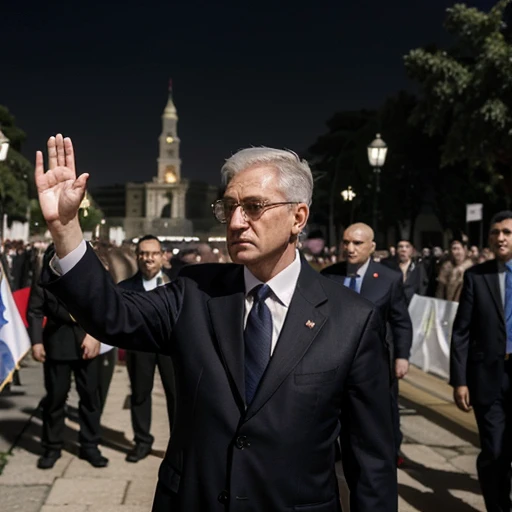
pixel 377 152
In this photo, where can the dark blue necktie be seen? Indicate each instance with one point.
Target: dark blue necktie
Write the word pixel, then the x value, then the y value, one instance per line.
pixel 258 341
pixel 353 285
pixel 508 305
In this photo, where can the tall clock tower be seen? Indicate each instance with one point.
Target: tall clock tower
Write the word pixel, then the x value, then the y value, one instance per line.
pixel 169 163
pixel 158 207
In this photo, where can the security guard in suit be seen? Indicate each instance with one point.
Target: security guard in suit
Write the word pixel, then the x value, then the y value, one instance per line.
pixel 64 348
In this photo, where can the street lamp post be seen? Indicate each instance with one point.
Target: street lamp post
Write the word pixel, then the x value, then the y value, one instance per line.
pixel 4 146
pixel 349 195
pixel 377 152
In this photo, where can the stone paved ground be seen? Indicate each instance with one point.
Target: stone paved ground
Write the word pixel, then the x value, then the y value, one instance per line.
pixel 439 474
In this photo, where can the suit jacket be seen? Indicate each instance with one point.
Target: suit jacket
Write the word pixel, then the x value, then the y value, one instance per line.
pixel 135 283
pixel 61 336
pixel 384 288
pixel 479 335
pixel 416 280
pixel 328 372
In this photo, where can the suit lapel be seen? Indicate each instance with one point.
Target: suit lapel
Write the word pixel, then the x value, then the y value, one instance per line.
pixel 303 322
pixel 368 286
pixel 493 283
pixel 227 316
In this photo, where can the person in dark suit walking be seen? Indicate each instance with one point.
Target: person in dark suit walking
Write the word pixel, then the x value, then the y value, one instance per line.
pixel 64 348
pixel 383 287
pixel 481 361
pixel 414 273
pixel 273 361
pixel 142 365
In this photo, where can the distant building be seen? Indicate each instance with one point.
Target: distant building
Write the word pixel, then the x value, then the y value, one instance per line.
pixel 167 206
pixel 158 207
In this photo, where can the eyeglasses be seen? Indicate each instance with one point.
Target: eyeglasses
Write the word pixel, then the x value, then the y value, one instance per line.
pixel 223 209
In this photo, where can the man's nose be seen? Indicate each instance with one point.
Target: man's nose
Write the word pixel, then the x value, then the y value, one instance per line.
pixel 238 219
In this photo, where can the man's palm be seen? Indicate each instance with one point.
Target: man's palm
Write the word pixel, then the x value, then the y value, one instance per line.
pixel 60 191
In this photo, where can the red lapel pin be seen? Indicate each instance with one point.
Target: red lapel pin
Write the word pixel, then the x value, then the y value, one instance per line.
pixel 375 275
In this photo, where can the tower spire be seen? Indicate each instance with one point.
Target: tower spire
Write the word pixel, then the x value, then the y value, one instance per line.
pixel 170 109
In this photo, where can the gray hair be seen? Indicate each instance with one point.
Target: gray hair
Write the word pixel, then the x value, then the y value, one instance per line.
pixel 294 174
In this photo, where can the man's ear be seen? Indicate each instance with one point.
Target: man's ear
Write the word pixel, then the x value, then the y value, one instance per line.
pixel 301 218
pixel 374 246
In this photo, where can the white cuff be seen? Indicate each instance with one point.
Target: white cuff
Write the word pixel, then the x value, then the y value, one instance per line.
pixel 62 266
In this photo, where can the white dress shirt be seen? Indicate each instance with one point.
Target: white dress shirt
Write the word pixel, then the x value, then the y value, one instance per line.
pixel 283 287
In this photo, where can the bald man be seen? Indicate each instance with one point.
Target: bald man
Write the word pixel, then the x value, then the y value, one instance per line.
pixel 384 287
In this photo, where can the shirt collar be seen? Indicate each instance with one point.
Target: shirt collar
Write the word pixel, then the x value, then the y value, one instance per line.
pixel 153 279
pixel 352 269
pixel 282 285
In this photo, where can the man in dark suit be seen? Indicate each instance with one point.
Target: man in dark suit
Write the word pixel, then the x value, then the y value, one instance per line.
pixel 383 287
pixel 273 361
pixel 481 361
pixel 142 365
pixel 414 273
pixel 64 348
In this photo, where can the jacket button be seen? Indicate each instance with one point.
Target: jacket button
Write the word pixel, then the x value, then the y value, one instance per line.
pixel 242 442
pixel 223 497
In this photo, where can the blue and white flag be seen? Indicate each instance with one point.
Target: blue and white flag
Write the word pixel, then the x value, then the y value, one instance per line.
pixel 14 339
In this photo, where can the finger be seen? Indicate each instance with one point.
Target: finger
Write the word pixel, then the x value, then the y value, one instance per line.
pixel 81 181
pixel 61 156
pixel 69 154
pixel 52 153
pixel 39 169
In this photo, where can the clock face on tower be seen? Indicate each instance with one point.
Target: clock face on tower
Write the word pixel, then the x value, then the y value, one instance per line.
pixel 170 174
pixel 169 139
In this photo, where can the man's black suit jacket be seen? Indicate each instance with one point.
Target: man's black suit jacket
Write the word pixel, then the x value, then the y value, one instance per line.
pixel 417 279
pixel 479 335
pixel 328 371
pixel 383 287
pixel 61 336
pixel 135 283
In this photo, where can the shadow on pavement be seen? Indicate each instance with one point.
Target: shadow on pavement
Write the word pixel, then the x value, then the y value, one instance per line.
pixel 440 482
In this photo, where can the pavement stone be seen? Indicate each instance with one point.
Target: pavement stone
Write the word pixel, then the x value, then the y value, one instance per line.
pixel 87 491
pixel 21 469
pixel 140 493
pixel 21 498
pixel 466 463
pixel 425 432
pixel 64 508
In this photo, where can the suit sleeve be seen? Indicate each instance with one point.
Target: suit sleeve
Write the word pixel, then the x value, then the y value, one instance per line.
pixel 400 321
pixel 366 426
pixel 460 334
pixel 35 313
pixel 138 321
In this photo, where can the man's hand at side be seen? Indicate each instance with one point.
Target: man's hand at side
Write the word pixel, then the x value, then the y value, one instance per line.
pixel 401 368
pixel 90 347
pixel 461 397
pixel 38 352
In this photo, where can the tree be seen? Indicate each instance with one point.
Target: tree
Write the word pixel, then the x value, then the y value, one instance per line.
pixel 16 173
pixel 467 95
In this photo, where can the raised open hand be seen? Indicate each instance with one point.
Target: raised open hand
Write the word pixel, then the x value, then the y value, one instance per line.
pixel 60 191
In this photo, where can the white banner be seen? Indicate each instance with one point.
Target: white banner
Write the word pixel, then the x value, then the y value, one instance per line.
pixel 474 212
pixel 432 322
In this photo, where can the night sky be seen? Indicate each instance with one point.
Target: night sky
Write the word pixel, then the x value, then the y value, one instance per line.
pixel 244 73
